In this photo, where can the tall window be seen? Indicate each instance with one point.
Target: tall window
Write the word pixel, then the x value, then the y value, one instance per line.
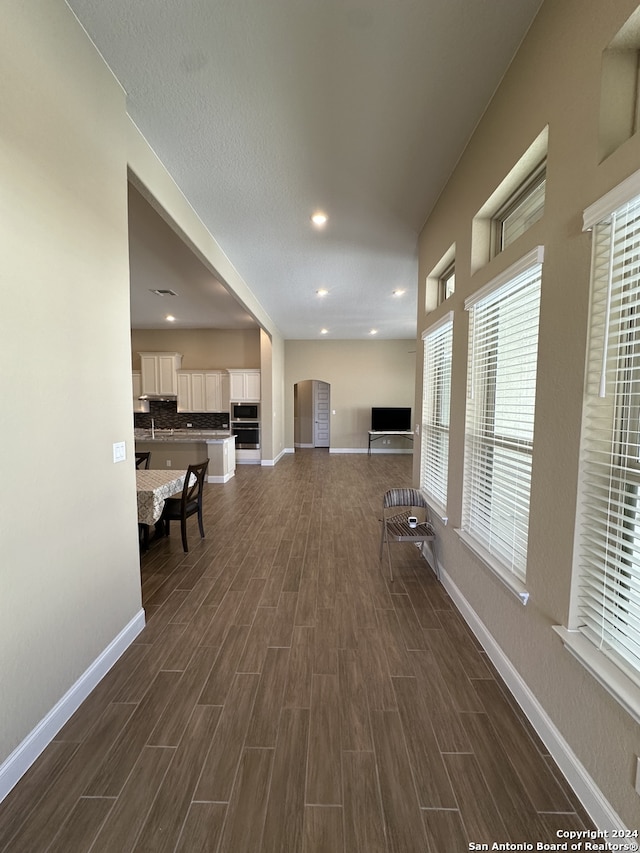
pixel 608 601
pixel 435 411
pixel 503 349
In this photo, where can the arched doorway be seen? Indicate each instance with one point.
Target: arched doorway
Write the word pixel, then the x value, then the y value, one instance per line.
pixel 311 413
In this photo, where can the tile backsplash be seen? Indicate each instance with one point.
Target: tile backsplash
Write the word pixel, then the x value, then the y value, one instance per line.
pixel 166 416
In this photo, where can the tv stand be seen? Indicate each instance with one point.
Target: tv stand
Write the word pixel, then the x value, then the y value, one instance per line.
pixel 375 434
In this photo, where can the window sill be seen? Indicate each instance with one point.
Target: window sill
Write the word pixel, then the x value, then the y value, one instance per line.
pixel 510 581
pixel 436 509
pixel 623 689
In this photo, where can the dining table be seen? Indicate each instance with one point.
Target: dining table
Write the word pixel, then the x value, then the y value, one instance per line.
pixel 153 487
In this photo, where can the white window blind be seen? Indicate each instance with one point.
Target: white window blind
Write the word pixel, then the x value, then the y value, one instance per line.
pixel 609 527
pixel 503 351
pixel 527 211
pixel 436 398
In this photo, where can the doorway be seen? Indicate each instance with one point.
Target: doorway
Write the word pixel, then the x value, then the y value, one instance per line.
pixel 312 413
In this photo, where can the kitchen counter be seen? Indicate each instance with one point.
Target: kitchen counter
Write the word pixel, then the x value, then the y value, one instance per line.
pixel 181 435
pixel 179 448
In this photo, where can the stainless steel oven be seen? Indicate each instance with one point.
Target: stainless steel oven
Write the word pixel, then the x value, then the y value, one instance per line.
pixel 247 435
pixel 245 411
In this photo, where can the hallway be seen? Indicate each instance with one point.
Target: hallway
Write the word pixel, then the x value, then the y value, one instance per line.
pixel 285 698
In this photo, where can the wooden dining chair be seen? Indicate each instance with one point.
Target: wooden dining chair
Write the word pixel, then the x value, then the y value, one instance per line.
pixel 180 507
pixel 143 459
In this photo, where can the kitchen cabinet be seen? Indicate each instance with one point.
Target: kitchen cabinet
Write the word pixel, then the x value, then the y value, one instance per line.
pixel 244 386
pixel 222 460
pixel 159 372
pixel 136 381
pixel 203 391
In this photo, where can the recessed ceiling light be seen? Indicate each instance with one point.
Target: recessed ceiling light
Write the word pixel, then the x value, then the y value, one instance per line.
pixel 398 292
pixel 170 318
pixel 319 218
pixel 322 292
pixel 324 331
pixel 373 332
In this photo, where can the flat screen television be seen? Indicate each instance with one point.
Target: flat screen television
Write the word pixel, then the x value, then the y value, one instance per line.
pixel 390 420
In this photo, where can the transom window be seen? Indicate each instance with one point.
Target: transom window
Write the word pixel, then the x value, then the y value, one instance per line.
pixel 524 208
pixel 447 283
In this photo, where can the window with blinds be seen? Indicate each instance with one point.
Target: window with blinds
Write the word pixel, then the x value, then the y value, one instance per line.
pixel 503 351
pixel 608 602
pixel 436 398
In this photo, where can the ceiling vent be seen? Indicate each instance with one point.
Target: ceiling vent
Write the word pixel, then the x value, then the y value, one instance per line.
pixel 163 292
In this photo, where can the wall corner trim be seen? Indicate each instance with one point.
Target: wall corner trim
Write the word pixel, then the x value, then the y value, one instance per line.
pixel 23 756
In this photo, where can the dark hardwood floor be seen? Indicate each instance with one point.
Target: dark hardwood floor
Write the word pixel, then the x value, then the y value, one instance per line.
pixel 286 698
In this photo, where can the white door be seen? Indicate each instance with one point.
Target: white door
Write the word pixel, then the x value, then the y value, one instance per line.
pixel 321 414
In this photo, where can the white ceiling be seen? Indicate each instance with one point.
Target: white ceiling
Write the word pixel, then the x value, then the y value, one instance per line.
pixel 264 111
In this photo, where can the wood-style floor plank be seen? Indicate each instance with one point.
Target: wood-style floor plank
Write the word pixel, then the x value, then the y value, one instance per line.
pixel 203 828
pixel 85 821
pixel 433 788
pixel 480 815
pixel 286 696
pixel 246 813
pixel 363 819
pixel 323 830
pixel 166 818
pixel 129 813
pixel 403 819
pixel 324 785
pixel 285 809
pixel 218 773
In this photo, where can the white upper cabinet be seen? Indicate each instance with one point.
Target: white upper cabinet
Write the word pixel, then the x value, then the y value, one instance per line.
pixel 159 371
pixel 138 405
pixel 203 391
pixel 244 386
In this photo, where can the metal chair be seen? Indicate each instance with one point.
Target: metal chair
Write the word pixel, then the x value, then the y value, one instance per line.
pixel 142 459
pixel 188 503
pixel 396 527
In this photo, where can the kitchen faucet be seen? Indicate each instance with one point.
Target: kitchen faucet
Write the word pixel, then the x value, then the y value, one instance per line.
pixel 153 428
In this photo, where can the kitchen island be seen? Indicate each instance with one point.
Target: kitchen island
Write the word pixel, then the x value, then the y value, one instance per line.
pixel 178 448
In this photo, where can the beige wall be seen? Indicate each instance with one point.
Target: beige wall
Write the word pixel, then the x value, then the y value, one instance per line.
pixel 554 81
pixel 272 380
pixel 70 573
pixel 361 374
pixel 209 349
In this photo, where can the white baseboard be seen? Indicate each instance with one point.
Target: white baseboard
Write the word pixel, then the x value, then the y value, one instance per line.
pixel 270 463
pixel 365 450
pixel 220 478
pixel 599 809
pixel 23 756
